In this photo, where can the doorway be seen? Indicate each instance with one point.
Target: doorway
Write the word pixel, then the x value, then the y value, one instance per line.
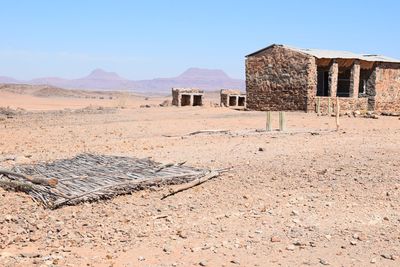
pixel 323 82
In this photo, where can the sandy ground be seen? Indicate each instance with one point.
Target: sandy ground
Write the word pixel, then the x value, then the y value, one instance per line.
pixel 309 196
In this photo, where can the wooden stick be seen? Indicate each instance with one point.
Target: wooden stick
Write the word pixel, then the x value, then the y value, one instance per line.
pixel 198 132
pixel 42 181
pixel 282 121
pixel 337 114
pixel 268 124
pixel 194 183
pixel 168 165
pixel 329 107
pixel 15 185
pixel 318 106
pixel 208 131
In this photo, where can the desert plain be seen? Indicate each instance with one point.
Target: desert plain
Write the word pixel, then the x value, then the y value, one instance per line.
pixel 307 196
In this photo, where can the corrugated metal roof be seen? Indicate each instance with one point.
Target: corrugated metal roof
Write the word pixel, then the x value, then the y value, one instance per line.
pixel 319 53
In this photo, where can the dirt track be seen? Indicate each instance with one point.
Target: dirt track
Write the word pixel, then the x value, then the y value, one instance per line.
pixel 311 197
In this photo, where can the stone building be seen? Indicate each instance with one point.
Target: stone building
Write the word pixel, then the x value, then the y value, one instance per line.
pixel 232 98
pixel 187 97
pixel 281 77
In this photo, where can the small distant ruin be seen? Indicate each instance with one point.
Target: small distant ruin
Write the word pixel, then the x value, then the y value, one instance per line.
pixel 232 98
pixel 187 97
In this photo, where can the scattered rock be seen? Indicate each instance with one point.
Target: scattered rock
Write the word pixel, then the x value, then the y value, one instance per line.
pixel 324 262
pixel 294 213
pixel 362 237
pixel 166 103
pixel 290 247
pixel 167 249
pixel 388 256
pixel 34 237
pixel 29 255
pixel 235 262
pixel 182 234
pixel 275 239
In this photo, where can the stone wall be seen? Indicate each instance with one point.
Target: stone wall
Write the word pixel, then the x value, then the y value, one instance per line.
pixel 333 78
pixel 192 92
pixel 224 96
pixel 312 72
pixel 355 79
pixel 278 79
pixel 346 104
pixel 387 88
pixel 175 97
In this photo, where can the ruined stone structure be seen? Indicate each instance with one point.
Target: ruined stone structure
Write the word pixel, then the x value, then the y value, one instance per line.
pixel 232 98
pixel 280 77
pixel 187 97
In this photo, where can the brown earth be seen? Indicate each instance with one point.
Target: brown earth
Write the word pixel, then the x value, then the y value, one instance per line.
pixel 309 196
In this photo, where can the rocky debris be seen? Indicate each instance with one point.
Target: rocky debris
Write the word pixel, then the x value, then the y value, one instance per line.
pixel 392 114
pixel 324 262
pixel 388 256
pixel 290 247
pixel 148 106
pixel 166 103
pixel 203 263
pixel 7 112
pixel 92 110
pixel 371 116
pixel 275 239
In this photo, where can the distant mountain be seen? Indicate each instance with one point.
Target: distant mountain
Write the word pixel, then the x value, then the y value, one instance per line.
pixel 198 74
pixel 5 79
pixel 206 79
pixel 99 79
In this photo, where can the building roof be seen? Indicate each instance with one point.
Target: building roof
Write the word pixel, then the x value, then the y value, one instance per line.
pixel 333 54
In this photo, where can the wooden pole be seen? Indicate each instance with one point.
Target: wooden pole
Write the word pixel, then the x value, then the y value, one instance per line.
pixel 318 106
pixel 268 125
pixel 337 114
pixel 282 121
pixel 194 183
pixel 329 107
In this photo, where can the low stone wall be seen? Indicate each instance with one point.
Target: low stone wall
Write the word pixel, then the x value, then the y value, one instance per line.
pixel 346 104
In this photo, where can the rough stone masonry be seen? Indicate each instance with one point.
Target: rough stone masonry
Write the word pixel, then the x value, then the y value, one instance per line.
pixel 232 98
pixel 187 97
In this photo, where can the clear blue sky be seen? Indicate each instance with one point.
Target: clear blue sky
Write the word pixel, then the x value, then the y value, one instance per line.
pixel 146 39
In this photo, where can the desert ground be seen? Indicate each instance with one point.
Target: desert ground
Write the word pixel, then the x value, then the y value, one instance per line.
pixel 308 196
